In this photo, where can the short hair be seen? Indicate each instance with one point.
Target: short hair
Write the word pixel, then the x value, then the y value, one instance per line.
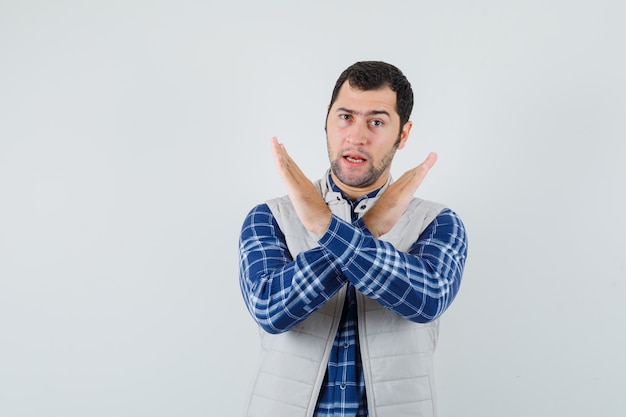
pixel 372 75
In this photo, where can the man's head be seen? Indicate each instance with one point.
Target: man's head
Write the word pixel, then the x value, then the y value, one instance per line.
pixel 367 121
pixel 373 75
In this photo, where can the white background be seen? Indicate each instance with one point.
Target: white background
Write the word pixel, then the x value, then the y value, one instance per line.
pixel 134 138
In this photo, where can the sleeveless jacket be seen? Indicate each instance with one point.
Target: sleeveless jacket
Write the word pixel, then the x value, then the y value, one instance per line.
pixel 397 354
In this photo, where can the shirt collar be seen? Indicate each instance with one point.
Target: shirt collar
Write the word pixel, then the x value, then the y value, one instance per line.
pixel 336 189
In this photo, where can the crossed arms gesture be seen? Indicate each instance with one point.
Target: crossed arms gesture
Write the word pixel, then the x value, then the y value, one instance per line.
pixel 272 280
pixel 315 215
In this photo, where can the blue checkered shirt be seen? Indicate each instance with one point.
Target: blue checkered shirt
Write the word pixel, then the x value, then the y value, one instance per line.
pixel 280 291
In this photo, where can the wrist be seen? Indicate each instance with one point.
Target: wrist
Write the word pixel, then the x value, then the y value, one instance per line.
pixel 321 227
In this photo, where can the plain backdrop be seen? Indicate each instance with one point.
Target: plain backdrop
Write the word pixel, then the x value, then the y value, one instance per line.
pixel 134 138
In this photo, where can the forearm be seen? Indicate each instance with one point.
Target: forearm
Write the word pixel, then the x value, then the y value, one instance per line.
pixel 280 291
pixel 418 285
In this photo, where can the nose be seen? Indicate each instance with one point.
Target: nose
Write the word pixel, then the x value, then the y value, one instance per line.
pixel 357 135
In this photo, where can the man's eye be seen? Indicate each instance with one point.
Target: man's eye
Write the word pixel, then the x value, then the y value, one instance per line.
pixel 376 123
pixel 344 116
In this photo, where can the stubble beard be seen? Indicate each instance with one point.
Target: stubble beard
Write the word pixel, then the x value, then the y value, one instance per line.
pixel 367 178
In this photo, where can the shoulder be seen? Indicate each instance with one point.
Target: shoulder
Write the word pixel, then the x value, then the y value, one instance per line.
pixel 448 229
pixel 259 210
pixel 259 216
pixel 450 221
pixel 434 212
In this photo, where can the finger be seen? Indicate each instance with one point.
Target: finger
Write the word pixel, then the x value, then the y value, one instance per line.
pixel 414 177
pixel 275 144
pixel 288 169
pixel 422 169
pixel 278 150
pixel 430 160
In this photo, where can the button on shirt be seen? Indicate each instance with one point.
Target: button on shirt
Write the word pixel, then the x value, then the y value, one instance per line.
pixel 343 390
pixel 420 290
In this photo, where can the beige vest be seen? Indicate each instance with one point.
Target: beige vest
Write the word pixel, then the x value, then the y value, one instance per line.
pixel 397 354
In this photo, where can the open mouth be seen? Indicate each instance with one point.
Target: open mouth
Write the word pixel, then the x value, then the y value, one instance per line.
pixel 354 159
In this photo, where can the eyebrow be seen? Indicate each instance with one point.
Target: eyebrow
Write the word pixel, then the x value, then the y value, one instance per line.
pixel 369 113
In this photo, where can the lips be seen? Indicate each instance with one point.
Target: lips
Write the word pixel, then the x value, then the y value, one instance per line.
pixel 354 157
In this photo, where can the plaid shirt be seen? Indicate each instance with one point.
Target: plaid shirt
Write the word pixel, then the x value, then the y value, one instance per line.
pixel 280 291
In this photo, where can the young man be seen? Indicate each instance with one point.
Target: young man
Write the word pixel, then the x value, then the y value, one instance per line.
pixel 347 276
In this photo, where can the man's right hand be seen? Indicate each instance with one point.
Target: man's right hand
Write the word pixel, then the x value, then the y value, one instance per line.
pixel 396 198
pixel 309 205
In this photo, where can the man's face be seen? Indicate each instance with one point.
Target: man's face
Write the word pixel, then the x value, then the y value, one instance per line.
pixel 362 134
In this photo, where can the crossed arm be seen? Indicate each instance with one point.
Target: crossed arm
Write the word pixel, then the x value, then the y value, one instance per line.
pixel 281 291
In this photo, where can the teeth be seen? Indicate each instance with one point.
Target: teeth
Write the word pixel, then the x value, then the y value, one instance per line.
pixel 354 159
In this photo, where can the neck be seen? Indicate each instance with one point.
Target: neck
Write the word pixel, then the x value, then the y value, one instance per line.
pixel 354 193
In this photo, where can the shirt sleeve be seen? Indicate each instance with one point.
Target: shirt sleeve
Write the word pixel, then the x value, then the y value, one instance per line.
pixel 419 285
pixel 280 291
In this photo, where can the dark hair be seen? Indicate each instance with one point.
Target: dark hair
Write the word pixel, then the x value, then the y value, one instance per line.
pixel 372 75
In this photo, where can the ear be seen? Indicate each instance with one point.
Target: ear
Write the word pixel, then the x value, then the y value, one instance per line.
pixel 404 134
